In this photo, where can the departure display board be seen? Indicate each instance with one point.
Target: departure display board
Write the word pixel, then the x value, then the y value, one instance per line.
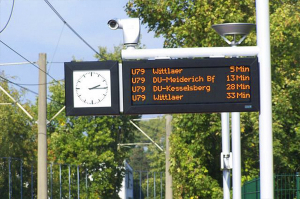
pixel 191 86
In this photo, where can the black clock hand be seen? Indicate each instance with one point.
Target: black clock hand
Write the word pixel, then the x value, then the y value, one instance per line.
pixel 94 87
pixel 99 88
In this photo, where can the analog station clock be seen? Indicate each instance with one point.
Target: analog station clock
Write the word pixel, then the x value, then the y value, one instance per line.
pixel 92 88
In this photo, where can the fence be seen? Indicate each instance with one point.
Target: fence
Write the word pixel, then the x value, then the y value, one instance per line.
pixel 286 186
pixel 18 180
pixel 149 185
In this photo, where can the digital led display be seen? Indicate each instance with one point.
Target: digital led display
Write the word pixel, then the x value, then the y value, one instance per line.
pixel 191 86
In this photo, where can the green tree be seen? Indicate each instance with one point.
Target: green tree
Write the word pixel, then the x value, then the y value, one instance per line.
pixel 196 141
pixel 17 141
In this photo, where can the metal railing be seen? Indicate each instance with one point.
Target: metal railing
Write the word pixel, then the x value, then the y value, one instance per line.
pixel 149 185
pixel 18 179
pixel 286 186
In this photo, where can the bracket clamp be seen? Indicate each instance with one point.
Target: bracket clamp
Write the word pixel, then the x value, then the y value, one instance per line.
pixel 226 161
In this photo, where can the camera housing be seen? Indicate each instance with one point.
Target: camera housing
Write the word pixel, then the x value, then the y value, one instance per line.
pixel 130 27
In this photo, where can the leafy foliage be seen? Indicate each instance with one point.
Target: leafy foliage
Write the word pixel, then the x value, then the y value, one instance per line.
pixel 17 140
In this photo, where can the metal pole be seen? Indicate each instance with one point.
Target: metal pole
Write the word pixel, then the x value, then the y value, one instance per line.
pixel 189 52
pixel 168 188
pixel 154 187
pixel 31 181
pixel 60 191
pixel 86 183
pixel 69 182
pixel 42 131
pixel 236 153
pixel 265 117
pixel 298 185
pixel 21 173
pixel 9 178
pixel 161 185
pixel 140 185
pixel 147 185
pixel 226 151
pixel 51 181
pixel 78 178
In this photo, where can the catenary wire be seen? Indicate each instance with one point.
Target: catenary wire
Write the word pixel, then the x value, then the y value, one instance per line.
pixel 28 60
pixel 49 83
pixel 48 98
pixel 65 22
pixel 56 47
pixel 11 12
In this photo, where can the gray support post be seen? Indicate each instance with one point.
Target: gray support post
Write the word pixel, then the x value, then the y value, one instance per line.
pixel 226 153
pixel 42 132
pixel 265 114
pixel 236 153
pixel 168 188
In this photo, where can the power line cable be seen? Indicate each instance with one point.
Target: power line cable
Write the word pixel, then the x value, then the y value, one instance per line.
pixel 36 84
pixel 28 60
pixel 7 80
pixel 56 47
pixel 11 12
pixel 65 22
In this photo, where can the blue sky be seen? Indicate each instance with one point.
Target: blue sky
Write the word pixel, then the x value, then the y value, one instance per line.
pixel 34 28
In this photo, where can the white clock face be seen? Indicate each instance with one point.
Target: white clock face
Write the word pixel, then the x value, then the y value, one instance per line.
pixel 92 88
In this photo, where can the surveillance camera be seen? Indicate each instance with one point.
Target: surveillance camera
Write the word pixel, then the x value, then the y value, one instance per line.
pixel 113 24
pixel 130 27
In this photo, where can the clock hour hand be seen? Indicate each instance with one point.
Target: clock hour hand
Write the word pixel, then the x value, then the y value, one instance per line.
pixel 94 87
pixel 100 88
pixel 97 87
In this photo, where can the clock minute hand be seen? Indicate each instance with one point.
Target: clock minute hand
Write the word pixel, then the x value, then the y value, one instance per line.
pixel 94 87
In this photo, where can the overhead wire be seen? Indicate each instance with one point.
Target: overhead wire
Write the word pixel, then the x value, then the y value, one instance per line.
pixel 11 12
pixel 16 84
pixel 56 47
pixel 49 83
pixel 27 60
pixel 69 26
